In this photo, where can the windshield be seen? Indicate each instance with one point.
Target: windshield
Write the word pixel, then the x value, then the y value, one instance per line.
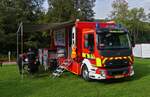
pixel 113 40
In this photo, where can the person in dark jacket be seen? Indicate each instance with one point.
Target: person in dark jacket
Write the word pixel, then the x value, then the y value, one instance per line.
pixel 33 66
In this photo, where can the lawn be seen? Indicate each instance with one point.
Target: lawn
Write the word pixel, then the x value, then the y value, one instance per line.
pixel 69 85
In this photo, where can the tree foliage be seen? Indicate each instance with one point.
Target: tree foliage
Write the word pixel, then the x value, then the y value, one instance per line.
pixel 12 12
pixel 120 10
pixel 64 10
pixel 134 19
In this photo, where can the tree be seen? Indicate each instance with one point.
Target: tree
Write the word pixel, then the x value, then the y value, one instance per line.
pixel 120 10
pixel 60 10
pixel 64 10
pixel 85 8
pixel 136 16
pixel 12 12
pixel 133 18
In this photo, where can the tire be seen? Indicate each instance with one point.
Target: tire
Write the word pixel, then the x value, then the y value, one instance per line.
pixel 85 73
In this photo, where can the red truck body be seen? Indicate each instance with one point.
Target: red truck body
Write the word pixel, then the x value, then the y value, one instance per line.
pixel 94 50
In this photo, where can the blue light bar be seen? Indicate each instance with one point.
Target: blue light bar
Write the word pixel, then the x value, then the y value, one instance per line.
pixel 98 26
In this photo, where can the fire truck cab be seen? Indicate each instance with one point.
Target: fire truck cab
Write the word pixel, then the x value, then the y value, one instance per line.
pixel 98 51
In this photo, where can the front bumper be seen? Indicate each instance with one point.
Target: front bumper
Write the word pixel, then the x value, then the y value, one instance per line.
pixel 103 73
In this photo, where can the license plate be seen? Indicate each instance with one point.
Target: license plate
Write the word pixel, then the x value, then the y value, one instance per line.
pixel 119 76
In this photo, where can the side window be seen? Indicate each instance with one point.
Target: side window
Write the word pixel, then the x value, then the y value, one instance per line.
pixel 89 41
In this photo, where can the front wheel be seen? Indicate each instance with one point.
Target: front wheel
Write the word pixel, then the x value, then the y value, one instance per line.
pixel 85 73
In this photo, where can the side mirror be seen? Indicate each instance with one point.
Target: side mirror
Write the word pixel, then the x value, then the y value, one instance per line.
pixel 132 41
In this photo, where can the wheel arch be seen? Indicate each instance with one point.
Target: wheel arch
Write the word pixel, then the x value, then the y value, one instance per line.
pixel 86 63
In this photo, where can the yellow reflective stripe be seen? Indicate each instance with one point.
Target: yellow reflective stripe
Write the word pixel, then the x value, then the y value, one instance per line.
pixel 88 56
pixel 116 58
pixel 130 58
pixel 98 62
pixel 92 56
pixel 111 58
pixel 125 57
pixel 104 60
pixel 119 57
pixel 83 55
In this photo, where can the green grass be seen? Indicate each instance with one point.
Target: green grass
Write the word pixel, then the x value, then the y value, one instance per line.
pixel 69 85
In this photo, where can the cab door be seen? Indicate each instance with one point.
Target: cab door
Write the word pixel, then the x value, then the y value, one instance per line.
pixel 88 44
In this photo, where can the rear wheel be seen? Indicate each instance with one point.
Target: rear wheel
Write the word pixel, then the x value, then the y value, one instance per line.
pixel 85 73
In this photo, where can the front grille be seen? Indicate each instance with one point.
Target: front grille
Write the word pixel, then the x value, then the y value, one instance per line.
pixel 120 71
pixel 117 63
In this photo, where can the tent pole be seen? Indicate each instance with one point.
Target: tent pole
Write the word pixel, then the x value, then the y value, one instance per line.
pixel 22 48
pixel 19 30
pixel 18 41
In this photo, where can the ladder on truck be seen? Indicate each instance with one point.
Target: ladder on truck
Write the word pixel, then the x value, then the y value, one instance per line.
pixel 61 68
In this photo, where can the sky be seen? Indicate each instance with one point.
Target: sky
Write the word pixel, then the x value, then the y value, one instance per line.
pixel 103 8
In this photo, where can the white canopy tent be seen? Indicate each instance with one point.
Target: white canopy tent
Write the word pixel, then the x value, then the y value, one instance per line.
pixel 142 50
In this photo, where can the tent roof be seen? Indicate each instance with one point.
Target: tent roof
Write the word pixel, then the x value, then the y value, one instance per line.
pixel 44 27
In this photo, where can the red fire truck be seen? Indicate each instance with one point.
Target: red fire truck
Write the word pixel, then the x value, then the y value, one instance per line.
pixel 94 50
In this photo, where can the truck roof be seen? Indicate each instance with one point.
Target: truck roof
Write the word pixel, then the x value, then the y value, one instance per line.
pixel 92 25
